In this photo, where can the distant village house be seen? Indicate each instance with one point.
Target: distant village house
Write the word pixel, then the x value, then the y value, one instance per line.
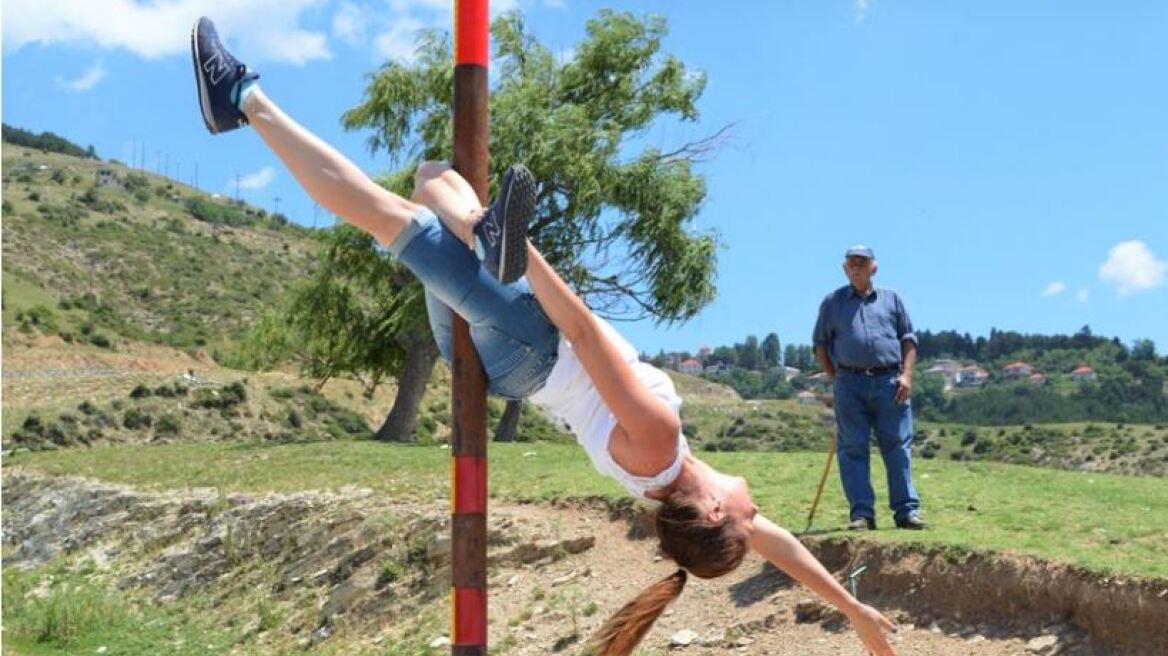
pixel 1016 370
pixel 807 398
pixel 972 376
pixel 1083 373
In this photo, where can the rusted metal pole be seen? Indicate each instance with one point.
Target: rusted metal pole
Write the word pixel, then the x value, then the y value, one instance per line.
pixel 468 445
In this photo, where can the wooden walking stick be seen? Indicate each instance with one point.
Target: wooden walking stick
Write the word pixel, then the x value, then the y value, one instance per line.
pixel 822 480
pixel 828 401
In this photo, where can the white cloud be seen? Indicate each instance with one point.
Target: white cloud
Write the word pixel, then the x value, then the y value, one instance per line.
pixel 1083 295
pixel 257 180
pixel 1132 267
pixel 269 30
pixel 86 81
pixel 349 23
pixel 862 10
pixel 1054 289
pixel 399 43
pixel 398 37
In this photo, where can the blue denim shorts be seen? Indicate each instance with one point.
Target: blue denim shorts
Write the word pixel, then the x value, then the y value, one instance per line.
pixel 516 342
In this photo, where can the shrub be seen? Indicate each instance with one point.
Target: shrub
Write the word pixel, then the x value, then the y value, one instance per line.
pixel 38 317
pixel 135 419
pixel 100 341
pixel 87 408
pixel 969 437
pixel 168 425
pixel 141 392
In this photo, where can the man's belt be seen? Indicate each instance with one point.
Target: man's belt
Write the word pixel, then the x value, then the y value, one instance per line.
pixel 870 371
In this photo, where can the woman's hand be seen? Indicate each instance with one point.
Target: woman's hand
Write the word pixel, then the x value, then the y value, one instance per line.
pixel 872 628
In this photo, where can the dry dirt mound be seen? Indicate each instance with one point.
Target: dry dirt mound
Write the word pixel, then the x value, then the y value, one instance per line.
pixel 363 572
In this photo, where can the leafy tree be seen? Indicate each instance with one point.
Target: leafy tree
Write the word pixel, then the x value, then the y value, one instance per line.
pixel 770 351
pixel 1144 349
pixel 749 354
pixel 357 315
pixel 614 217
pixel 724 355
pixel 791 355
pixel 46 141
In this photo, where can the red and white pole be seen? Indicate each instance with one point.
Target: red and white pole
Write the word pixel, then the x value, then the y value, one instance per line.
pixel 468 444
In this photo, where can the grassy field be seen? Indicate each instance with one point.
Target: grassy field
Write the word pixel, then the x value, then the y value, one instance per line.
pixel 1104 522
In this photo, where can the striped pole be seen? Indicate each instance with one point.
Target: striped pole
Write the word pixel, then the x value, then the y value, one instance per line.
pixel 468 446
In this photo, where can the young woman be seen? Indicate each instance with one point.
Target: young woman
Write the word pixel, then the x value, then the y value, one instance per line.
pixel 537 340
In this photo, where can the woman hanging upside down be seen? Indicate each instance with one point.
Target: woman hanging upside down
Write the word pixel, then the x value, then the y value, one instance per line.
pixel 537 341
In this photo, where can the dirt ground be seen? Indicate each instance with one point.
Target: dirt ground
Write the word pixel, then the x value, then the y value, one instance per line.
pixel 556 574
pixel 752 611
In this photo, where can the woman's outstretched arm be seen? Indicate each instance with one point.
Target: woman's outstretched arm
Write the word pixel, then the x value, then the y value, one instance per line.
pixel 777 545
pixel 650 427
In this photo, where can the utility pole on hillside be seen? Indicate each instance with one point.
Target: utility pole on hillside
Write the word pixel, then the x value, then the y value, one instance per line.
pixel 276 210
pixel 237 187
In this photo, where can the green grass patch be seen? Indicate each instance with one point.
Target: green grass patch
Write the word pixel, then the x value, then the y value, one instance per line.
pixel 58 611
pixel 1101 521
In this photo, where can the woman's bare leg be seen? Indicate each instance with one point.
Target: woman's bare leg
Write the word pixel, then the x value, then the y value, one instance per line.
pixel 438 186
pixel 327 175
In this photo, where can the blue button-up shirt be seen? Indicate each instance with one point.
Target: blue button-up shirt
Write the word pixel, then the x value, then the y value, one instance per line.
pixel 863 331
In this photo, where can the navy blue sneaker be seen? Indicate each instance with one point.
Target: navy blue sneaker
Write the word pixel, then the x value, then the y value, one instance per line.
pixel 501 233
pixel 219 76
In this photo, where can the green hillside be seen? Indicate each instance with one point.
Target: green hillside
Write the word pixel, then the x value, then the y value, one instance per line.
pixel 141 258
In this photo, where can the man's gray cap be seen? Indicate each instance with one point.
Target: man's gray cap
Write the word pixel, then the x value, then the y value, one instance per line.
pixel 861 250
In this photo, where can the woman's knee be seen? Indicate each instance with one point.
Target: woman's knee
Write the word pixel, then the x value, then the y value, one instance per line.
pixel 430 170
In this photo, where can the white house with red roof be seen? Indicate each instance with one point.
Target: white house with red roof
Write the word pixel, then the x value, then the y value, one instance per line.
pixel 1082 373
pixel 972 376
pixel 1016 370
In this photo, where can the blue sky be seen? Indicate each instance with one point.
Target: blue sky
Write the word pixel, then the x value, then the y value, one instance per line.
pixel 1007 161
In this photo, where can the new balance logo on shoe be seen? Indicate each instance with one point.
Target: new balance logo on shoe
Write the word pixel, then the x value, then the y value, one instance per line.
pixel 502 231
pixel 218 76
pixel 491 231
pixel 216 68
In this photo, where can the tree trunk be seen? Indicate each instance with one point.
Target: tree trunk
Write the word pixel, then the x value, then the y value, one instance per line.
pixel 509 422
pixel 421 354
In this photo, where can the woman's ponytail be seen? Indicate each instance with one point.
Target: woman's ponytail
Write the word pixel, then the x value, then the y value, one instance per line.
pixel 621 633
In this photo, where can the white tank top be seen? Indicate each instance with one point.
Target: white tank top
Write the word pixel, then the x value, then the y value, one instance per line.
pixel 569 395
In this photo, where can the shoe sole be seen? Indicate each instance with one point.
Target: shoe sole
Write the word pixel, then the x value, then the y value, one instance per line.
pixel 519 203
pixel 204 100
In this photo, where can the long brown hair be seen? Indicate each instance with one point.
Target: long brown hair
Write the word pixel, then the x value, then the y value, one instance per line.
pixel 707 549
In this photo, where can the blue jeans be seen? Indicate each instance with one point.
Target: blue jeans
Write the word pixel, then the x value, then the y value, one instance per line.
pixel 516 342
pixel 864 404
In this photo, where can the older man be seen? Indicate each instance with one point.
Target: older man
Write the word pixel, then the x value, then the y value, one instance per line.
pixel 864 340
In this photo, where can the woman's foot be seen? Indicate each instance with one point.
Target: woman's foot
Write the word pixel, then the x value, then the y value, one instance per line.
pixel 220 77
pixel 500 236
